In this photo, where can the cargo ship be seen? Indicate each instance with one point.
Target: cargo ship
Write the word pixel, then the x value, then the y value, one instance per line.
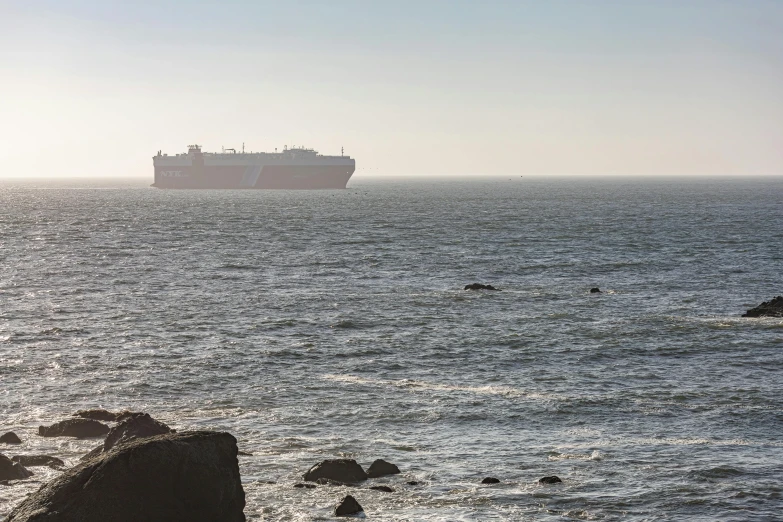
pixel 294 168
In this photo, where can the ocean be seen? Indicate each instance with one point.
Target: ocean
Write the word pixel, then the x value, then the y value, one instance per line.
pixel 323 324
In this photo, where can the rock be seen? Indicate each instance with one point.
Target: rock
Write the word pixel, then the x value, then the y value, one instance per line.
pixel 479 286
pixel 490 480
pixel 771 308
pixel 10 438
pixel 93 452
pixel 345 471
pixel 38 460
pixel 387 489
pixel 550 480
pixel 305 485
pixel 191 476
pixel 347 507
pixel 135 426
pixel 595 290
pixel 10 470
pixel 79 428
pixel 381 468
pixel 413 483
pixel 245 454
pixel 102 415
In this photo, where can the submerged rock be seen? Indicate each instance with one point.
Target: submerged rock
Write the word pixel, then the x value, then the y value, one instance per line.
pixel 305 485
pixel 347 507
pixel 102 415
pixel 387 489
pixel 10 470
pixel 79 428
pixel 413 483
pixel 38 460
pixel 550 480
pixel 10 438
pixel 490 480
pixel 381 468
pixel 771 308
pixel 135 426
pixel 479 286
pixel 191 476
pixel 345 471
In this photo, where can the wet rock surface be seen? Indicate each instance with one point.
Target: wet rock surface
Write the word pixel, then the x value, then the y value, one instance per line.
pixel 347 507
pixel 550 480
pixel 385 489
pixel 10 470
pixel 381 468
pixel 345 471
pixel 490 480
pixel 102 415
pixel 771 308
pixel 10 438
pixel 77 427
pixel 38 460
pixel 191 476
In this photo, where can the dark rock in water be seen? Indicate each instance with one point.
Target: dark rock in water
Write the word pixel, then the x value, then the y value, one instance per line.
pixel 10 438
pixel 490 480
pixel 4 483
pixel 345 471
pixel 479 286
pixel 245 454
pixel 771 308
pixel 79 428
pixel 102 415
pixel 191 476
pixel 550 480
pixel 595 290
pixel 387 489
pixel 413 483
pixel 10 470
pixel 348 506
pixel 39 460
pixel 136 426
pixel 381 468
pixel 306 486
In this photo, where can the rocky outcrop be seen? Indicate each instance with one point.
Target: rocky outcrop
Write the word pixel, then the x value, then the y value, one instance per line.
pixel 10 438
pixel 10 470
pixel 102 415
pixel 479 286
pixel 38 460
pixel 136 426
pixel 347 507
pixel 490 480
pixel 191 476
pixel 345 471
pixel 550 480
pixel 771 308
pixel 79 428
pixel 381 468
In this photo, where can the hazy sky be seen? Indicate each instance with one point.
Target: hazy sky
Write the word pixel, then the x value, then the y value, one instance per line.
pixel 427 87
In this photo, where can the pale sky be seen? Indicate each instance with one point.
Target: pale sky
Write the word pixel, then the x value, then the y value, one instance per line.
pixel 427 87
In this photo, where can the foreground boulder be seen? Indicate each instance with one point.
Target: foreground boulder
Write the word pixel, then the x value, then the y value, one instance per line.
pixel 381 468
pixel 479 286
pixel 79 428
pixel 345 471
pixel 102 415
pixel 135 426
pixel 38 460
pixel 10 470
pixel 771 308
pixel 347 507
pixel 191 476
pixel 10 438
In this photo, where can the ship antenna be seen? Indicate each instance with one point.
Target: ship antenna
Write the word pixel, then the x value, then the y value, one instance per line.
pixel 243 147
pixel 342 151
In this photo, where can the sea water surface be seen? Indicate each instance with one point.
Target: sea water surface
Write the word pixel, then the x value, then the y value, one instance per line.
pixel 314 325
